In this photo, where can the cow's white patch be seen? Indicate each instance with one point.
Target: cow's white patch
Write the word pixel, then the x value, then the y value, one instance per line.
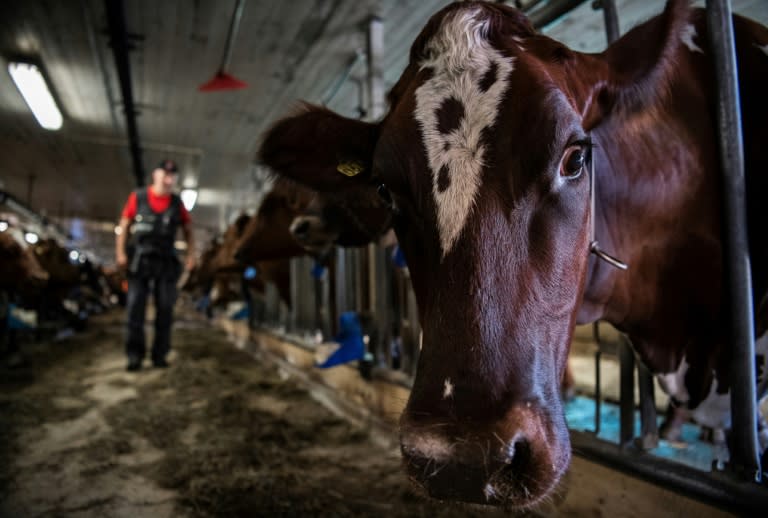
pixel 459 55
pixel 447 388
pixel 687 38
pixel 715 410
pixel 674 383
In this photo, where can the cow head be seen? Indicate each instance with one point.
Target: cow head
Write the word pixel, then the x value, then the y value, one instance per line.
pixel 268 234
pixel 353 218
pixel 201 277
pixel 20 266
pixel 485 154
pixel 225 258
pixel 55 260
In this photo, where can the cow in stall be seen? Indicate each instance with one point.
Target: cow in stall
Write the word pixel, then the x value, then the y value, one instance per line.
pixel 21 276
pixel 222 276
pixel 20 266
pixel 497 144
pixel 57 301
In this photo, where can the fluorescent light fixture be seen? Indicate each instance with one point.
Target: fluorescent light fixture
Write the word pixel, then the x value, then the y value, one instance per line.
pixel 31 238
pixel 188 198
pixel 3 226
pixel 31 83
pixel 74 256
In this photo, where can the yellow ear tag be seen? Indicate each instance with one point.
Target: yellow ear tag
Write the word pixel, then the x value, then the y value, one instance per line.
pixel 350 168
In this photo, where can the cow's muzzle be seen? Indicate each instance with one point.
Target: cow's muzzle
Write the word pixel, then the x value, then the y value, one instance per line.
pixel 514 463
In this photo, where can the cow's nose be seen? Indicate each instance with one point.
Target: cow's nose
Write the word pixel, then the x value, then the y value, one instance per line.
pixel 301 229
pixel 513 462
pixel 481 471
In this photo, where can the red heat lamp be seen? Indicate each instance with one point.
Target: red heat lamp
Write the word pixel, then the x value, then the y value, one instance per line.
pixel 223 81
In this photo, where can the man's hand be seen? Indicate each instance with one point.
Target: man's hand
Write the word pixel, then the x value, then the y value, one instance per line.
pixel 122 261
pixel 190 262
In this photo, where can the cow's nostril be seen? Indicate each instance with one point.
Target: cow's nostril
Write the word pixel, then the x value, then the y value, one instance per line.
pixel 518 456
pixel 301 229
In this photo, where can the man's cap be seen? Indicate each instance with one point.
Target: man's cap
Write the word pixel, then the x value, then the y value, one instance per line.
pixel 168 166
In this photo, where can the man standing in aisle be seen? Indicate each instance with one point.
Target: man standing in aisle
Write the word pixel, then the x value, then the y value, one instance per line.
pixel 153 215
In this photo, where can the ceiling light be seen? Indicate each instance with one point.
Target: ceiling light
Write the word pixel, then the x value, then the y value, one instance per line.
pixel 188 198
pixel 31 83
pixel 31 238
pixel 3 226
pixel 74 256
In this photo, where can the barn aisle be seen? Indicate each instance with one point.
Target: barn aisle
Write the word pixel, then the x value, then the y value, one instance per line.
pixel 217 434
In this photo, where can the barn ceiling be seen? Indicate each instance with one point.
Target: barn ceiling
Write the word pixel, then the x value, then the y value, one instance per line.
pixel 285 51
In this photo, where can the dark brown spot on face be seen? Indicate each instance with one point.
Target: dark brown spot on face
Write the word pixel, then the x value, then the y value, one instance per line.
pixel 443 179
pixel 489 77
pixel 449 115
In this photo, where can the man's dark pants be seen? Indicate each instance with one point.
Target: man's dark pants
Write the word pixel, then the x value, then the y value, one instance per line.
pixel 164 290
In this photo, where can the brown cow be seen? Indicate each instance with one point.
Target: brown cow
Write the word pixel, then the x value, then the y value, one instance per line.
pixel 219 266
pixel 20 266
pixel 267 235
pixel 54 258
pixel 486 150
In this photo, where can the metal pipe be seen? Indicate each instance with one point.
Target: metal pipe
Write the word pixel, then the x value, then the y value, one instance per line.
pixel 598 390
pixel 626 392
pixel 118 36
pixel 343 76
pixel 551 11
pixel 611 19
pixel 234 24
pixel 743 498
pixel 744 447
pixel 649 431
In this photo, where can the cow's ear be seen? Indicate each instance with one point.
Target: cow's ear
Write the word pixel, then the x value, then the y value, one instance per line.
pixel 635 72
pixel 320 149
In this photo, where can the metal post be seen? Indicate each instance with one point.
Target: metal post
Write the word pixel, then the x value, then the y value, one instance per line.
pixel 234 24
pixel 649 432
pixel 598 390
pixel 744 451
pixel 293 315
pixel 342 301
pixel 375 54
pixel 626 392
pixel 611 19
pixel 414 331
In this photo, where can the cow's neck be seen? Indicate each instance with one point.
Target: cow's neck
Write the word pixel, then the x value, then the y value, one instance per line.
pixel 646 213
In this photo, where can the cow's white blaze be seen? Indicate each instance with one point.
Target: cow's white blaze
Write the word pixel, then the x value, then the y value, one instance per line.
pixel 459 55
pixel 687 38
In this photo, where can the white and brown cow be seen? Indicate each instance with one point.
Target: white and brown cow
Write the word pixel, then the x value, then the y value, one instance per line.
pixel 486 152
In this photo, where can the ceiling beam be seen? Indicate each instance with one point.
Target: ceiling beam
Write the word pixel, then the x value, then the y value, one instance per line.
pixel 118 37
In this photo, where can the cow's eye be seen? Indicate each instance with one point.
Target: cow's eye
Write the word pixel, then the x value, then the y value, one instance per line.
pixel 573 162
